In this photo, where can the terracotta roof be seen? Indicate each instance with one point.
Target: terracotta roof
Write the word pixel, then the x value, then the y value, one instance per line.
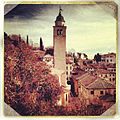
pixel 86 79
pixel 111 66
pixel 77 73
pixel 100 84
pixel 103 71
pixel 96 66
pixel 90 66
pixel 109 54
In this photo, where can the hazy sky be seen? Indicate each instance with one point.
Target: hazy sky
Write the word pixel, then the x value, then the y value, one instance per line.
pixel 90 28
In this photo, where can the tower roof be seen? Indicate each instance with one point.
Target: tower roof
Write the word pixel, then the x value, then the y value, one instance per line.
pixel 60 17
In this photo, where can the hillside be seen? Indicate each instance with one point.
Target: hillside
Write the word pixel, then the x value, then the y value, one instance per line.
pixel 29 88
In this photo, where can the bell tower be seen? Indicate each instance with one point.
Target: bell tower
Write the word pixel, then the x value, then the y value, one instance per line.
pixel 59 43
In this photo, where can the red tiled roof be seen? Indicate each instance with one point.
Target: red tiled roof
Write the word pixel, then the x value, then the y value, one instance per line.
pixel 111 66
pixel 103 71
pixel 101 84
pixel 86 79
pixel 77 73
pixel 108 55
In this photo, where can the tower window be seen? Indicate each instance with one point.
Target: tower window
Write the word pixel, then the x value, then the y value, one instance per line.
pixel 59 32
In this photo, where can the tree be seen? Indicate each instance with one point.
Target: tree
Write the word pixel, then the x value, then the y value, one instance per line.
pixel 41 44
pixel 29 87
pixel 97 57
pixel 79 54
pixel 50 51
pixel 27 40
pixel 85 56
pixel 75 59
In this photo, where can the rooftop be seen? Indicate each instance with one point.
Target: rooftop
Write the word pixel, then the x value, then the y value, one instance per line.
pixel 103 71
pixel 109 55
pixel 87 79
pixel 101 84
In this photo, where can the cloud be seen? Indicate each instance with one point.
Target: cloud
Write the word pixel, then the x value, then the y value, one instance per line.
pixel 89 27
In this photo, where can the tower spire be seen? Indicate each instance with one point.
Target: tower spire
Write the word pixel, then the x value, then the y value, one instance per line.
pixel 59 19
pixel 60 10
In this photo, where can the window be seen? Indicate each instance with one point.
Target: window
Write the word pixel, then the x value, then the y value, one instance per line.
pixel 110 79
pixel 59 31
pixel 67 78
pixel 113 79
pixel 67 67
pixel 92 92
pixel 66 97
pixel 67 73
pixel 101 92
pixel 114 92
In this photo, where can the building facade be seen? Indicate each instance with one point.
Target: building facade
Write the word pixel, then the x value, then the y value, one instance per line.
pixel 108 58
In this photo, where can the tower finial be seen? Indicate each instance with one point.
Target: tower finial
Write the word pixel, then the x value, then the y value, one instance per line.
pixel 60 9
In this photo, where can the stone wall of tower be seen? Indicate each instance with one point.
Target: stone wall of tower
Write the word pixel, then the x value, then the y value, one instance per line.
pixel 59 42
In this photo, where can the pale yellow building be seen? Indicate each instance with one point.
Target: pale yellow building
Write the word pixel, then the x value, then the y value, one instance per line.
pixel 108 58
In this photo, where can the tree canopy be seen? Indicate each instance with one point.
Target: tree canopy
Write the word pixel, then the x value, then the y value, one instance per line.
pixel 29 87
pixel 97 57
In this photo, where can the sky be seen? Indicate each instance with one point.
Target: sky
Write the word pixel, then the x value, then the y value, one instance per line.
pixel 91 28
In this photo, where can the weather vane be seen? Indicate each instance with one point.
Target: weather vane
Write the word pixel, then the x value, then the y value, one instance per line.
pixel 60 9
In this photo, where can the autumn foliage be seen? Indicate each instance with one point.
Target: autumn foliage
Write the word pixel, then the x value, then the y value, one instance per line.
pixel 29 87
